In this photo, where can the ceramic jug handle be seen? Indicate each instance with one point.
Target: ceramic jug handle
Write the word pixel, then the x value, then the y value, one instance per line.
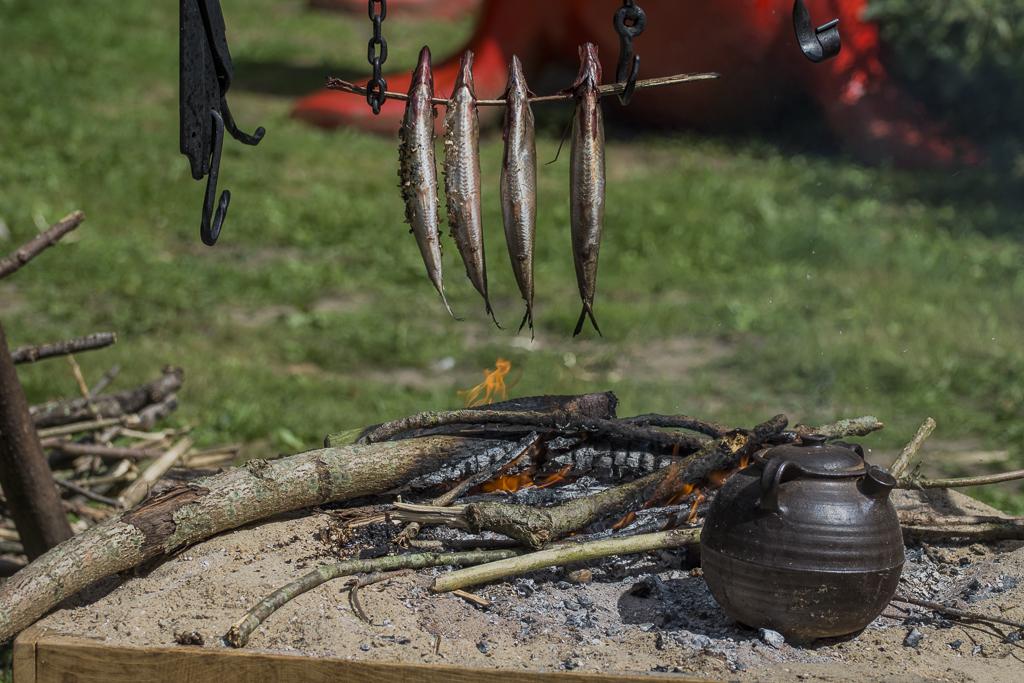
pixel 771 478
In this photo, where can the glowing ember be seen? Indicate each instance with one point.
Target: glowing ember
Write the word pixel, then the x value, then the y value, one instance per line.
pixel 493 386
pixel 509 483
pixel 693 508
pixel 555 478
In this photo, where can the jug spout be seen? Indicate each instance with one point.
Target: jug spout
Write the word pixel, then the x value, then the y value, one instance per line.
pixel 878 483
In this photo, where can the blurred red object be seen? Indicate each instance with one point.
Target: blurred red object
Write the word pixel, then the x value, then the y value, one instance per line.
pixel 438 9
pixel 750 42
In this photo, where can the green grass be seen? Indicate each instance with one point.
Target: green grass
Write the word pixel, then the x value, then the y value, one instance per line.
pixel 737 279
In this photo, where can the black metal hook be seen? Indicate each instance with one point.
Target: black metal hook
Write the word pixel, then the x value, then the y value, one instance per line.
pixel 210 231
pixel 630 21
pixel 817 44
pixel 205 77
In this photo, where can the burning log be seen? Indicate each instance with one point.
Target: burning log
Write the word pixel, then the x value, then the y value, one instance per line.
pixel 540 421
pixel 535 527
pixel 598 406
pixel 186 514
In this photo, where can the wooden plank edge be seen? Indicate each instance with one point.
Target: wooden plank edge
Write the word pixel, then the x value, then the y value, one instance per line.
pixel 24 659
pixel 56 657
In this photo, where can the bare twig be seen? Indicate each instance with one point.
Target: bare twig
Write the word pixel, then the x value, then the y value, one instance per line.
pixel 123 403
pixel 39 243
pixel 103 382
pixel 82 491
pixel 603 90
pixel 366 580
pixel 563 554
pixel 958 613
pixel 31 354
pixel 139 488
pixel 900 468
pixel 81 427
pixel 242 629
pixel 101 451
pixel 961 482
pixel 472 598
pixel 76 370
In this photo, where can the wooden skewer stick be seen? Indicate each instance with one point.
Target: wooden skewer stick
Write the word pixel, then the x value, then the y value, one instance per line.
pixel 603 90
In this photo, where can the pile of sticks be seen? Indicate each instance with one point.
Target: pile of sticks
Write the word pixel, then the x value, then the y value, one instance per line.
pixel 71 463
pixel 469 447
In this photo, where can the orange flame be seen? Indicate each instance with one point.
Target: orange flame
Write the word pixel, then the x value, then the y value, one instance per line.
pixel 493 385
pixel 693 508
pixel 554 477
pixel 509 483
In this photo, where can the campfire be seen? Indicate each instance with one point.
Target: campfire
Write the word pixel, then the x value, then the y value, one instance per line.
pixel 553 496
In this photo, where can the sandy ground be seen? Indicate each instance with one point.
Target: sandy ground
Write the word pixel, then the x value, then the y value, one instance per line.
pixel 647 614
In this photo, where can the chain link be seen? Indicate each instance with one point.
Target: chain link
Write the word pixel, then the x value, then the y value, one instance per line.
pixel 377 54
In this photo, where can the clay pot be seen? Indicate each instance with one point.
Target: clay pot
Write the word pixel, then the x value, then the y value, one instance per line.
pixel 805 541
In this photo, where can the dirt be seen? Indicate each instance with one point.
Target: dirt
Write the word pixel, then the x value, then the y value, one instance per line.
pixel 638 614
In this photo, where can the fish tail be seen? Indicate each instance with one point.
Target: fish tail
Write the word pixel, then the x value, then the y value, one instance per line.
pixel 527 320
pixel 490 312
pixel 587 312
pixel 444 299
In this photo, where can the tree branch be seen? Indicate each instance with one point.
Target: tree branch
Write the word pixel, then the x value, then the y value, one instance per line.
pixel 563 554
pixel 240 632
pixel 192 512
pixel 901 466
pixel 39 243
pixel 30 354
pixel 540 421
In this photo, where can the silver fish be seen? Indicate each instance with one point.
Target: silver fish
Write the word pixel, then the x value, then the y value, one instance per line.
pixel 586 181
pixel 519 184
pixel 462 178
pixel 417 170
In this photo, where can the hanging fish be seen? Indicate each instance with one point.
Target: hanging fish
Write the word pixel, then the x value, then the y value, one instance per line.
pixel 519 184
pixel 462 178
pixel 205 72
pixel 418 172
pixel 586 180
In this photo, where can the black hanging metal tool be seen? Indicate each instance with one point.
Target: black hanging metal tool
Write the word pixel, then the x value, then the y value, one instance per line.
pixel 205 72
pixel 377 54
pixel 630 21
pixel 817 44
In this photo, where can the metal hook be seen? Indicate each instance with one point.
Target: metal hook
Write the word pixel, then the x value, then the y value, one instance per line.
pixel 629 63
pixel 241 136
pixel 817 44
pixel 209 232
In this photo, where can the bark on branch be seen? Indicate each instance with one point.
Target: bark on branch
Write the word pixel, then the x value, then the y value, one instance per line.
pixel 120 404
pixel 193 512
pixel 90 342
pixel 39 243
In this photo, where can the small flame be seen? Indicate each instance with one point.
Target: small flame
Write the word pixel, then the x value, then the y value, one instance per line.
pixel 493 386
pixel 555 477
pixel 693 508
pixel 624 522
pixel 509 483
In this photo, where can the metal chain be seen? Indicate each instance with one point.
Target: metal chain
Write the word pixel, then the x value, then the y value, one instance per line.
pixel 377 54
pixel 630 21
